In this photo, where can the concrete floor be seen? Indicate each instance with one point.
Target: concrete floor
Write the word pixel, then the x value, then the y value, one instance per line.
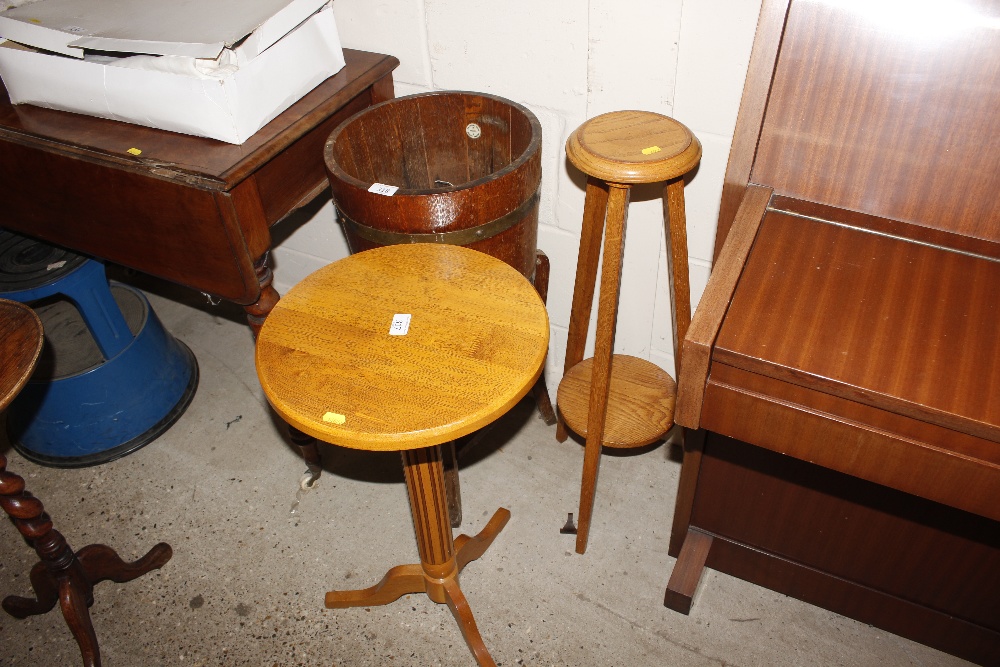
pixel 246 582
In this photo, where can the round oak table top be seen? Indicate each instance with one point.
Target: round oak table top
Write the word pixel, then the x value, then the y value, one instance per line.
pixel 633 147
pixel 474 344
pixel 20 345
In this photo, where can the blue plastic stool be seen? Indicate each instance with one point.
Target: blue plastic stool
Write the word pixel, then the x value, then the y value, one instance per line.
pixel 127 380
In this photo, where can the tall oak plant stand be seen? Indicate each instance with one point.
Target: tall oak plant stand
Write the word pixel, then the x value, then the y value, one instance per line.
pixel 60 575
pixel 615 400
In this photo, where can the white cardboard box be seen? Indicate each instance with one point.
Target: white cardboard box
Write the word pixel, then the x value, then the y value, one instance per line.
pixel 216 84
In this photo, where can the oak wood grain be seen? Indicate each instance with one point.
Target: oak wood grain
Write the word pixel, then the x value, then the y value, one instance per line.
pixel 476 344
pixel 714 304
pixel 633 147
pixel 618 149
pixel 600 376
pixel 591 234
pixel 640 403
pixel 675 218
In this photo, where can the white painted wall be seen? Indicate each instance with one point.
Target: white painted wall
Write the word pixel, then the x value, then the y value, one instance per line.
pixel 569 60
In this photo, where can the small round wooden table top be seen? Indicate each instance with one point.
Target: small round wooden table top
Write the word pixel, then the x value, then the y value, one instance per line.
pixel 640 406
pixel 20 345
pixel 475 344
pixel 633 147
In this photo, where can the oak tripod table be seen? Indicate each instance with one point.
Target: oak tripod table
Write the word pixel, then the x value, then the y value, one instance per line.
pixel 60 575
pixel 404 348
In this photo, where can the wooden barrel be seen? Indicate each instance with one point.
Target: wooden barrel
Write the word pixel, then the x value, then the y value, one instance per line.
pixel 467 167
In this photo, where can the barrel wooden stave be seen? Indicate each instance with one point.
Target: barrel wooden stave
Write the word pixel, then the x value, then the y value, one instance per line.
pixel 416 141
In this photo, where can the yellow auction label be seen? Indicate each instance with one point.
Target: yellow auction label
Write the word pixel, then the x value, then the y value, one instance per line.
pixel 134 151
pixel 650 150
pixel 334 418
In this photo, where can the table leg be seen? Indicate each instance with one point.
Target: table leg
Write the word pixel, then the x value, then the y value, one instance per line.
pixel 258 311
pixel 594 210
pixel 600 383
pixel 61 575
pixel 442 558
pixel 309 448
pixel 452 484
pixel 540 391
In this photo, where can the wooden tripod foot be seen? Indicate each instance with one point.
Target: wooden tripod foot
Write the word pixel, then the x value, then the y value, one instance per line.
pixel 61 574
pixel 470 548
pixel 102 563
pixel 406 579
pixel 46 595
pixel 466 622
pixel 72 584
pixel 74 604
pixel 91 565
pixel 397 582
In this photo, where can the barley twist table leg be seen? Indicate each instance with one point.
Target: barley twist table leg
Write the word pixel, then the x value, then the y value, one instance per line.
pixel 61 575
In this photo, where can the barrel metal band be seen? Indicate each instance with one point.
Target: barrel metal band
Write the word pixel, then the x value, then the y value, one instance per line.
pixel 455 237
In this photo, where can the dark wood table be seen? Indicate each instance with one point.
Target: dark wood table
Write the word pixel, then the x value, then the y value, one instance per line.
pixel 190 210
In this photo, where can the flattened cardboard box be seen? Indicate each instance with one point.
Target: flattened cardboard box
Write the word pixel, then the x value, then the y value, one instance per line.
pixel 237 84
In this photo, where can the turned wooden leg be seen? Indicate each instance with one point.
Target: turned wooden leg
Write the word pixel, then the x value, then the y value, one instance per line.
pixel 309 448
pixel 256 315
pixel 62 575
pixel 438 555
pixel 594 208
pixel 257 312
pixel 600 383
pixel 540 391
pixel 424 472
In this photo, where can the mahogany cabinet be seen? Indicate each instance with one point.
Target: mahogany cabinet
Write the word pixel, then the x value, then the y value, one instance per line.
pixel 841 377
